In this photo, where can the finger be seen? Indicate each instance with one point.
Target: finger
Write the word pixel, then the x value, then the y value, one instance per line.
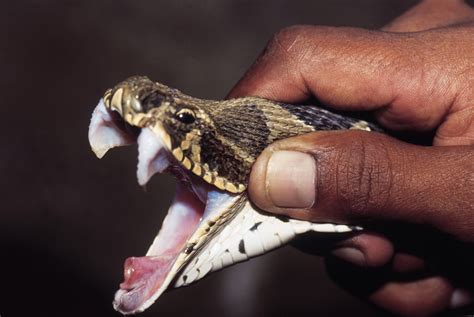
pixel 354 176
pixel 374 250
pixel 303 61
pixel 404 263
pixel 430 14
pixel 422 296
pixel 458 128
pixel 417 298
pixel 367 249
pixel 403 248
pixel 353 69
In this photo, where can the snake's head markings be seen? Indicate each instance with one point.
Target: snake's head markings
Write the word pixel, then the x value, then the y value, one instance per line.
pixel 188 125
pixel 210 146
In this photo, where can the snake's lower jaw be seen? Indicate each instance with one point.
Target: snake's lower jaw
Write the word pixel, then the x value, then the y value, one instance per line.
pixel 146 278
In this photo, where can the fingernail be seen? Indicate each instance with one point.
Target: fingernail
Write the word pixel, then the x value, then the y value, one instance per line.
pixel 461 298
pixel 351 255
pixel 291 179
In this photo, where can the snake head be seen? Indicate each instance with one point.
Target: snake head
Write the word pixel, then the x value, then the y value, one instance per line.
pixel 187 125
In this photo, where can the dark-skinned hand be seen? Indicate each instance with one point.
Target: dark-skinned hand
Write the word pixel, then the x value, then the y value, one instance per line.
pixel 415 76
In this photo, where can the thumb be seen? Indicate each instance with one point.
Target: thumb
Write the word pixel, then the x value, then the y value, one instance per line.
pixel 354 176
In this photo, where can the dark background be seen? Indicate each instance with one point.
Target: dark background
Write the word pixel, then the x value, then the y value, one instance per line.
pixel 69 220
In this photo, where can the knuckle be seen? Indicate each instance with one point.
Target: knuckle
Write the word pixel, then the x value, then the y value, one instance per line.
pixel 290 42
pixel 290 33
pixel 364 175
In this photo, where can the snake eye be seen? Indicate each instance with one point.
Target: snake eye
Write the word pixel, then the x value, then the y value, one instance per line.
pixel 186 116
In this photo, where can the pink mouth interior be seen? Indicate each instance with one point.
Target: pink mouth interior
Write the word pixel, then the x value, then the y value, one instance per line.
pixel 143 276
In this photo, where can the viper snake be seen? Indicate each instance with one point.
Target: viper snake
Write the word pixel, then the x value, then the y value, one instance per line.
pixel 210 147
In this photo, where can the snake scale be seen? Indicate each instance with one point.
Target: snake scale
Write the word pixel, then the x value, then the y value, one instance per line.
pixel 210 147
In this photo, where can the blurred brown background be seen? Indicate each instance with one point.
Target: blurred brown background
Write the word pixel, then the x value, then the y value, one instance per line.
pixel 69 220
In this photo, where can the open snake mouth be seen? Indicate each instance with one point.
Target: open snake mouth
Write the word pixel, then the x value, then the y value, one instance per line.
pixel 195 208
pixel 206 229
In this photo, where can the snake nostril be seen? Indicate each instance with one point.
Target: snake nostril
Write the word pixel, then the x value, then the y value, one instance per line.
pixel 152 100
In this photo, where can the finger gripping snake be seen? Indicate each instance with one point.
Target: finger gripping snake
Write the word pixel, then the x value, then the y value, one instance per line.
pixel 210 147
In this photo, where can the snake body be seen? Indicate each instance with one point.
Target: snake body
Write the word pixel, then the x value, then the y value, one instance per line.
pixel 216 142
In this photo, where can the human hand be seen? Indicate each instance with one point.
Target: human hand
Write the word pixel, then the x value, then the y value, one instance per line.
pixel 415 75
